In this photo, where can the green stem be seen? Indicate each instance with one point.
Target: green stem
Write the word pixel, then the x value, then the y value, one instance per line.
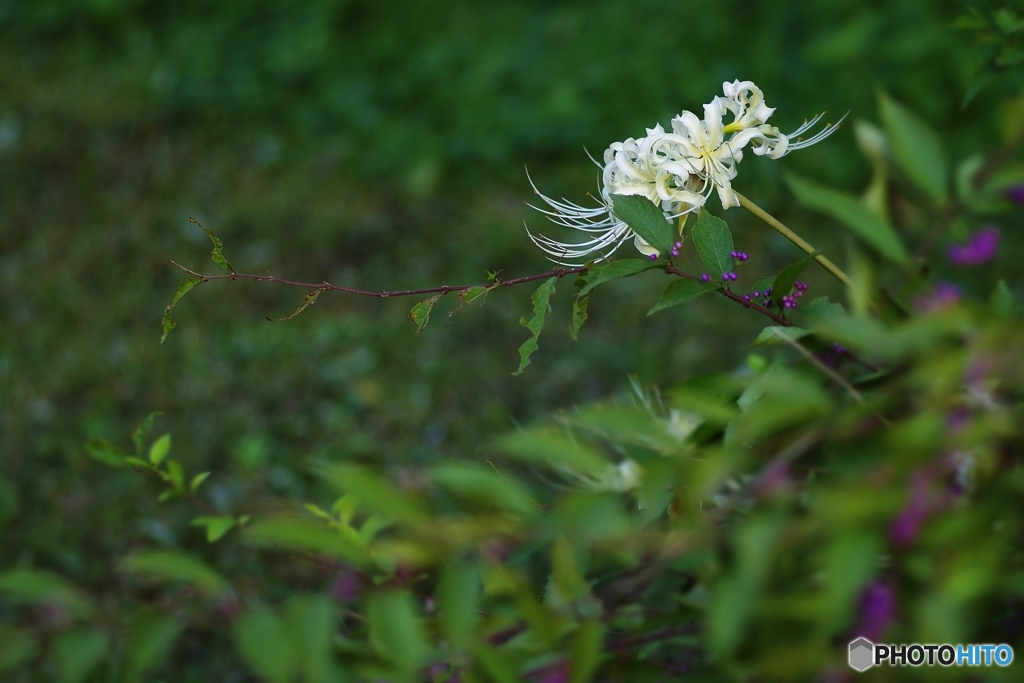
pixel 793 237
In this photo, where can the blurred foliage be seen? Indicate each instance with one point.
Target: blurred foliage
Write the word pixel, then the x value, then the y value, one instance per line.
pixel 336 501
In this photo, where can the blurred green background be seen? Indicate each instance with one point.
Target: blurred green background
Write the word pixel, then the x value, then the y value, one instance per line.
pixel 377 145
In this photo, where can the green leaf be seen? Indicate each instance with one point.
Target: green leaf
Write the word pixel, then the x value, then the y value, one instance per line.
pixel 141 432
pixel 263 641
pixel 16 647
pixel 821 311
pixel 459 599
pixel 307 301
pixel 785 280
pixel 763 283
pixel 915 148
pixel 183 289
pixel 587 646
pixel 579 315
pixel 171 565
pixel 646 220
pixel 374 493
pixel 197 481
pixel 395 630
pixel 482 485
pixel 159 450
pixel 216 527
pixel 679 292
pixel 301 534
pixel 549 446
pixel 1002 300
pixel 105 452
pixel 176 476
pixel 713 240
pixel 30 585
pixel 78 652
pixel 613 270
pixel 311 626
pixel 217 255
pixel 150 640
pixel 472 294
pixel 777 334
pixel 852 214
pixel 420 313
pixel 345 507
pixel 540 310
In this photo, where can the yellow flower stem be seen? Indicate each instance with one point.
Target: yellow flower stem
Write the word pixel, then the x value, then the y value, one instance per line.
pixel 793 237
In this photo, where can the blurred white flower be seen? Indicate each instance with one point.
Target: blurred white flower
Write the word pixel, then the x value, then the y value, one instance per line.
pixel 675 170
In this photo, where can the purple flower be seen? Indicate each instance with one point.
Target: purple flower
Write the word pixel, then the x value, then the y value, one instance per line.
pixel 1016 194
pixel 877 610
pixel 908 522
pixel 943 296
pixel 981 247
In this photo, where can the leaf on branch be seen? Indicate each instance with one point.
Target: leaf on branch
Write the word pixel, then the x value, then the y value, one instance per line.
pixel 468 296
pixel 540 310
pixel 773 335
pixel 160 448
pixel 821 311
pixel 579 314
pixel 784 281
pixel 217 255
pixel 197 481
pixel 183 289
pixel 645 219
pixel 420 313
pixel 309 300
pixel 216 527
pixel 679 292
pixel 713 240
pixel 764 283
pixel 105 452
pixel 915 148
pixel 850 212
pixel 613 270
pixel 142 431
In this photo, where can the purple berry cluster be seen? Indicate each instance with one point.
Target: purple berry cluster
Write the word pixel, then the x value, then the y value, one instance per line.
pixel 740 255
pixel 726 277
pixel 675 249
pixel 799 289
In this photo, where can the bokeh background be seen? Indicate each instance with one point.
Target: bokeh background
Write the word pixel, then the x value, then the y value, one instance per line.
pixel 379 145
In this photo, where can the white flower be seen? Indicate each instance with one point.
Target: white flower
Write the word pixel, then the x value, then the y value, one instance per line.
pixel 676 170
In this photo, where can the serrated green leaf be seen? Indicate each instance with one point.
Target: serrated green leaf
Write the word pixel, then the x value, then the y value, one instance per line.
pixel 420 313
pixel 852 214
pixel 540 300
pixel 613 270
pixel 141 432
pixel 473 293
pixel 579 315
pixel 217 255
pixel 307 301
pixel 159 450
pixel 216 527
pixel 197 481
pixel 713 240
pixel 171 565
pixel 183 289
pixel 774 335
pixel 645 219
pixel 821 311
pixel 785 280
pixel 679 292
pixel 79 652
pixel 104 451
pixel 915 148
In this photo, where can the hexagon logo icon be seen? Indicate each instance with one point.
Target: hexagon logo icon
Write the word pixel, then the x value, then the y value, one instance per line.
pixel 862 653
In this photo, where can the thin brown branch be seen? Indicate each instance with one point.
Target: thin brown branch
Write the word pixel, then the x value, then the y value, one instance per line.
pixel 735 297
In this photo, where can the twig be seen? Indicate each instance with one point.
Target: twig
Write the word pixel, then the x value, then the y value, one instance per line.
pixel 832 374
pixel 735 297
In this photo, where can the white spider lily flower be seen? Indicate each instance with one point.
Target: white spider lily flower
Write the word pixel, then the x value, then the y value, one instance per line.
pixel 676 170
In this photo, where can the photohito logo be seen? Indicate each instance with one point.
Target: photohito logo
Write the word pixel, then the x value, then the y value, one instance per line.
pixel 864 654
